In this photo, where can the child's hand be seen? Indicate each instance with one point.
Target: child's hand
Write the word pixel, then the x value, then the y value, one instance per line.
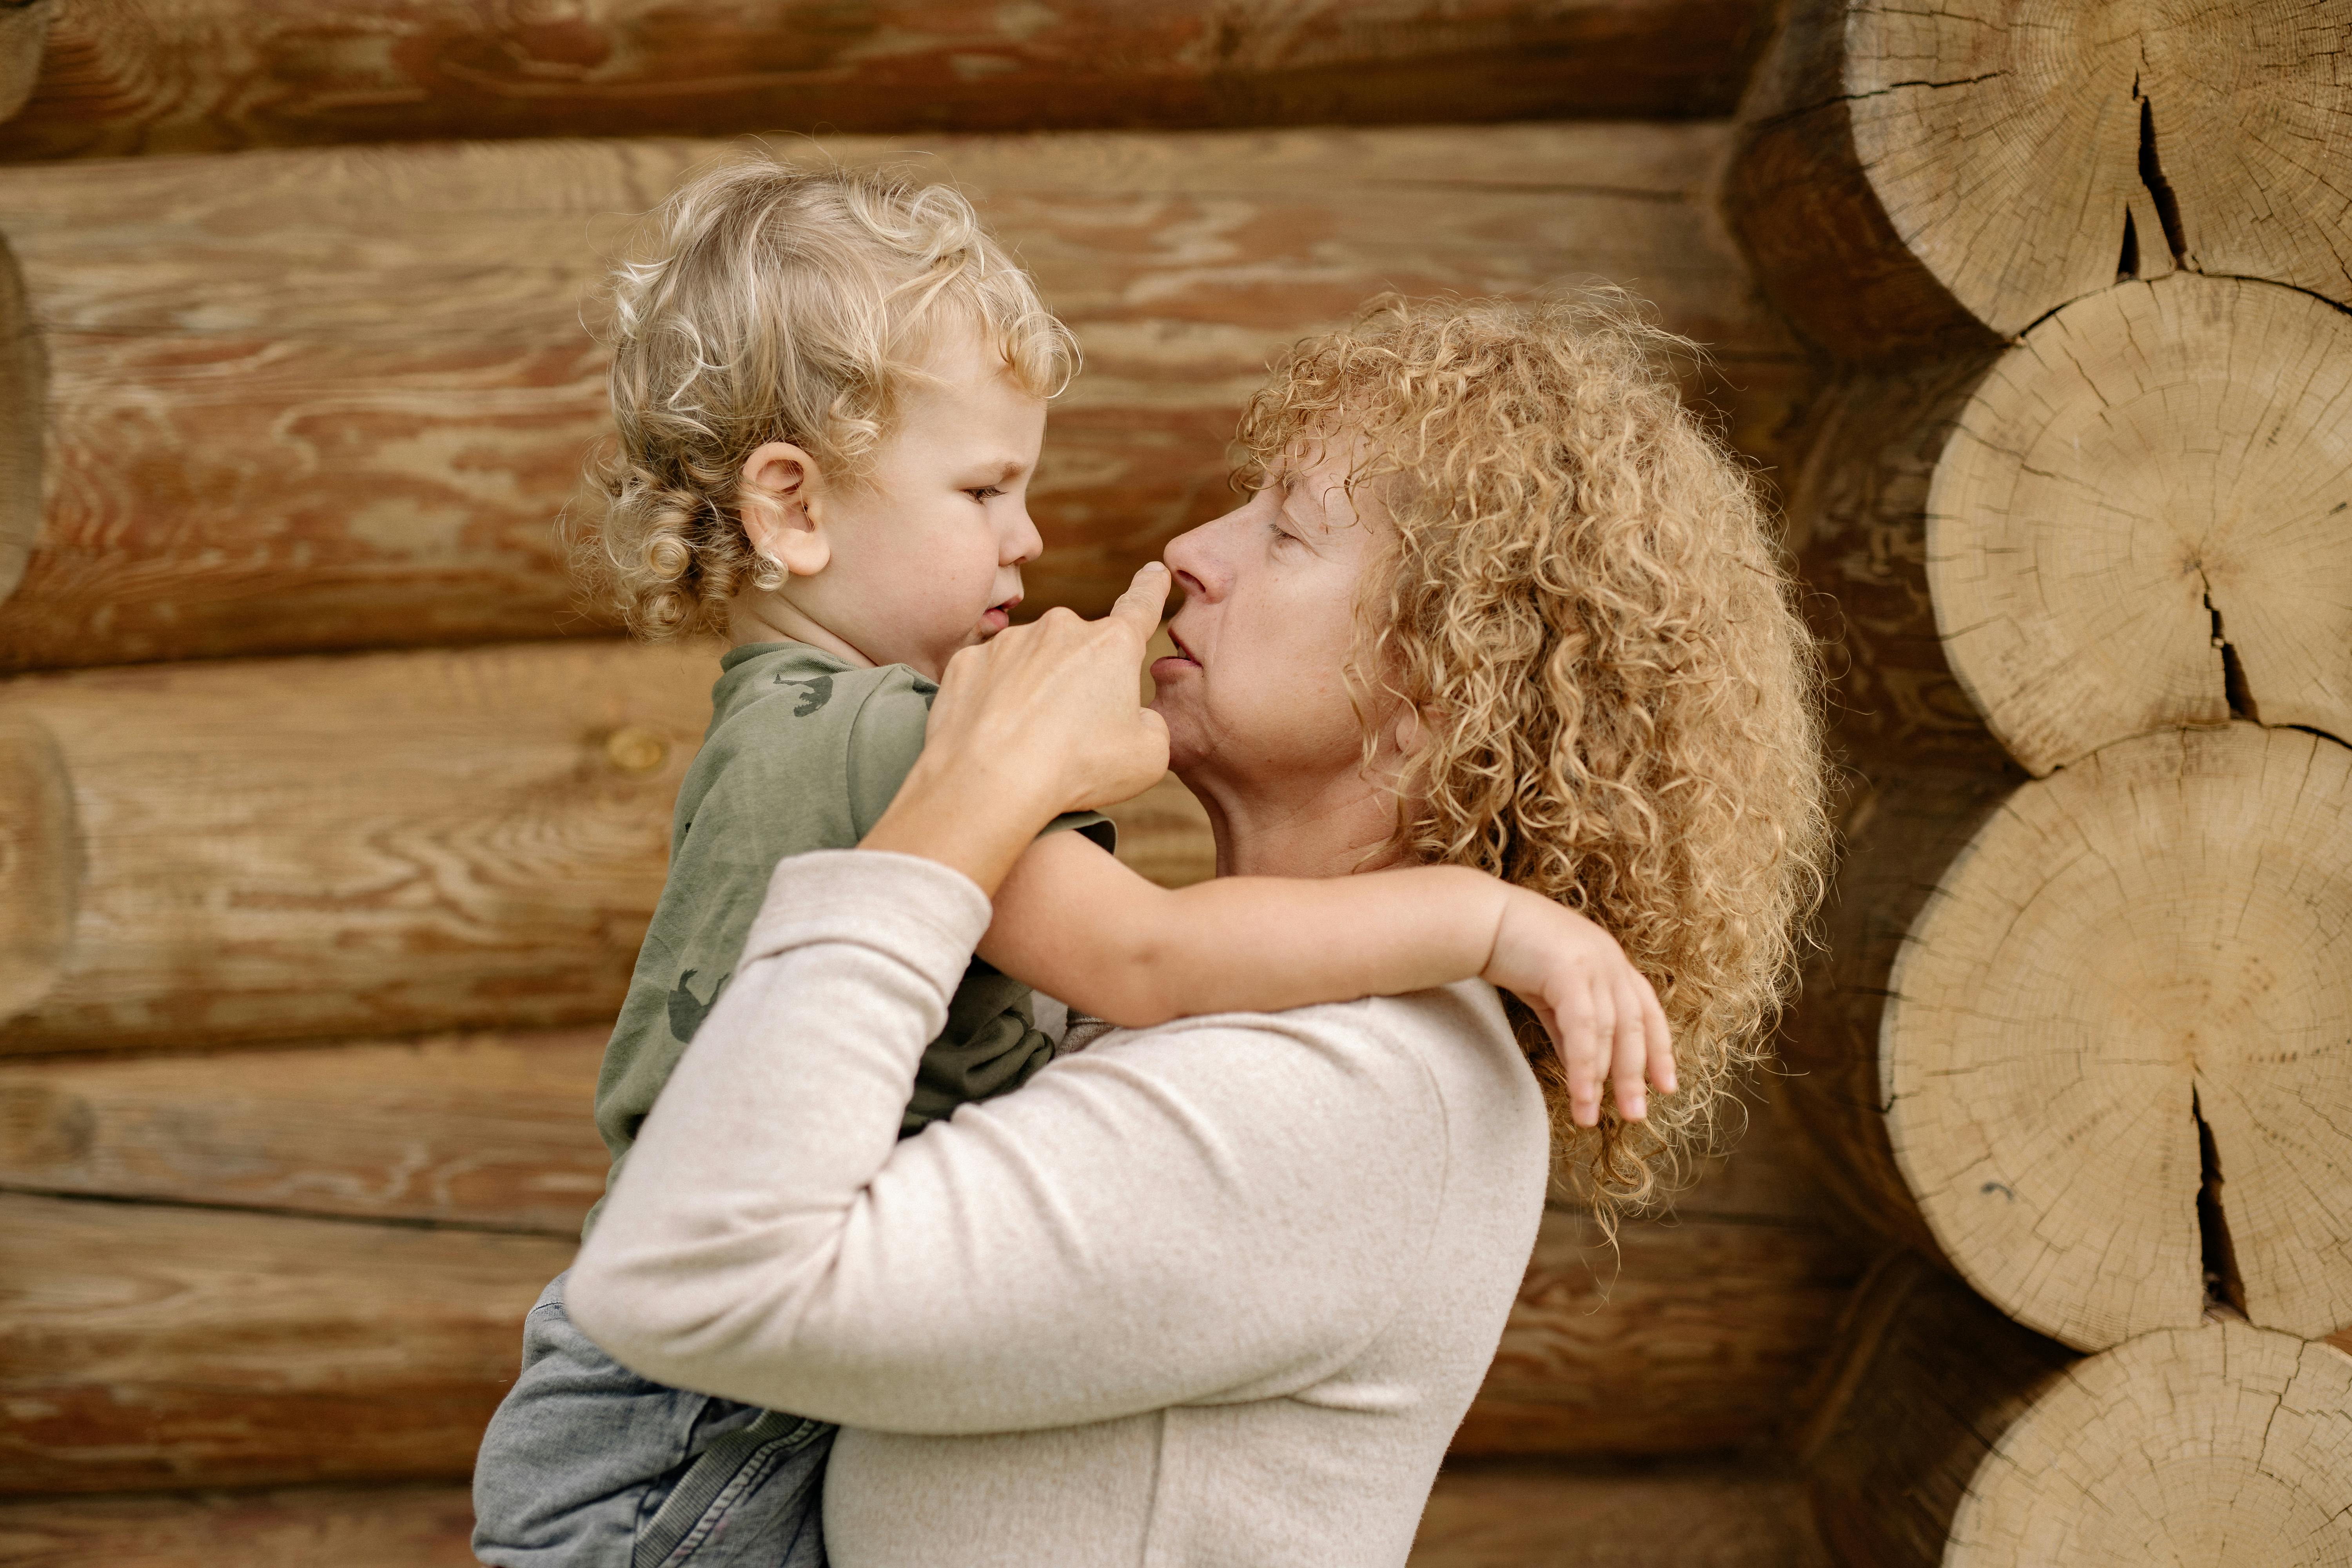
pixel 1603 1017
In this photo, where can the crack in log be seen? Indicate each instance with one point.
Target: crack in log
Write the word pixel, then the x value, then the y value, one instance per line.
pixel 2159 189
pixel 2127 264
pixel 2223 1285
pixel 2234 689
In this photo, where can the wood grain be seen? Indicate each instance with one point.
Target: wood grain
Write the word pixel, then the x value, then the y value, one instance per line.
pixel 1926 1379
pixel 2216 1443
pixel 144 1345
pixel 2114 1040
pixel 416 1526
pixel 200 76
pixel 1521 1516
pixel 377 845
pixel 24 397
pixel 490 1130
pixel 23 37
pixel 2140 520
pixel 336 399
pixel 1912 179
pixel 151 1347
pixel 1553 1516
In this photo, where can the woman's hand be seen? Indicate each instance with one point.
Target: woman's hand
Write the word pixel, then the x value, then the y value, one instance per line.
pixel 1603 1015
pixel 1037 721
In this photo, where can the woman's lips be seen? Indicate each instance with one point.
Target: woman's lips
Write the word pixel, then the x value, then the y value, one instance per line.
pixel 1175 664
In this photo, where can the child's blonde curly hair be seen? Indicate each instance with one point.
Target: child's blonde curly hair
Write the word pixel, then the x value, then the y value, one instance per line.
pixel 1621 705
pixel 778 304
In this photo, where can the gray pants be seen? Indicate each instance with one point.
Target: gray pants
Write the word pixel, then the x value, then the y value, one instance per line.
pixel 587 1464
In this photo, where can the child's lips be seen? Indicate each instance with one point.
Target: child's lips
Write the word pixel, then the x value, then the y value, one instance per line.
pixel 996 618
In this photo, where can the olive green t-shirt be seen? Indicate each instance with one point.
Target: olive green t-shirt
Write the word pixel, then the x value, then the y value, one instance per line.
pixel 803 752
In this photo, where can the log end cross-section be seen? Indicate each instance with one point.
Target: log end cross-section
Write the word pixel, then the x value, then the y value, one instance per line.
pixel 1908 173
pixel 2115 1053
pixel 2144 520
pixel 2220 1444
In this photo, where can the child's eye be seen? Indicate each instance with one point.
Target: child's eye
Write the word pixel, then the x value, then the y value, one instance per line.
pixel 983 493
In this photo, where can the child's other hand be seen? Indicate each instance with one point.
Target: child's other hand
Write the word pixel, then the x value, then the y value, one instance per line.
pixel 1603 1015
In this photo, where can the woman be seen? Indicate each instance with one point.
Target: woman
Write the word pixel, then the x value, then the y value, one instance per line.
pixel 1220 1290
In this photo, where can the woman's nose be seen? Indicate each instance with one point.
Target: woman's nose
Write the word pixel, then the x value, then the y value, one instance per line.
pixel 1193 557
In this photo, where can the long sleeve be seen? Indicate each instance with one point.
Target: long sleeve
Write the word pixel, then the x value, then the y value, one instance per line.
pixel 1209 1212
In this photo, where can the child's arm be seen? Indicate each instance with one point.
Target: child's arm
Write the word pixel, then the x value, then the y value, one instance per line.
pixel 1075 923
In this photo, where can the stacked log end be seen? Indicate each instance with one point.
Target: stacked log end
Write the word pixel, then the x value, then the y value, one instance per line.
pixel 2078 512
pixel 1951 1435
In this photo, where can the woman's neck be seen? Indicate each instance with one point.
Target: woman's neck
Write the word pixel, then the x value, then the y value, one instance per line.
pixel 1338 826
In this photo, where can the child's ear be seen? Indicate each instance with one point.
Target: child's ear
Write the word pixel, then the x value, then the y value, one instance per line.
pixel 781 503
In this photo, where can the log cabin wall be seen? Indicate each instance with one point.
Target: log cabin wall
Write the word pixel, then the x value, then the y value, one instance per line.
pixel 2077 505
pixel 333 818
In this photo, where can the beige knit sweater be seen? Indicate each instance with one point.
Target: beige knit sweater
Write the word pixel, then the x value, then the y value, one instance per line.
pixel 1213 1293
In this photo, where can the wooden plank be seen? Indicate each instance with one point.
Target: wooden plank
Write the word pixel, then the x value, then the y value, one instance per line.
pixel 1551 1516
pixel 420 1526
pixel 484 1130
pixel 153 1347
pixel 380 844
pixel 1520 1516
pixel 334 399
pixel 1690 1337
pixel 192 76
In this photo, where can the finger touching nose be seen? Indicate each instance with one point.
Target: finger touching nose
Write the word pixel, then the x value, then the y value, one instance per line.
pixel 1192 557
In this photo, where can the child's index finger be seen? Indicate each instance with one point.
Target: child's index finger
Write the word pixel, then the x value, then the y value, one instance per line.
pixel 1140 608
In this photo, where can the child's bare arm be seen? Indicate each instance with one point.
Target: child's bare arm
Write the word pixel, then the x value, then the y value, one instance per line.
pixel 1077 924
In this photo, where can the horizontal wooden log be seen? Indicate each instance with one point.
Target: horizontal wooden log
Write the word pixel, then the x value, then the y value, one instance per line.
pixel 144 1345
pixel 197 76
pixel 426 1525
pixel 490 1130
pixel 1735 1515
pixel 335 399
pixel 385 844
pixel 380 845
pixel 151 1347
pixel 1692 1336
pixel 1724 1516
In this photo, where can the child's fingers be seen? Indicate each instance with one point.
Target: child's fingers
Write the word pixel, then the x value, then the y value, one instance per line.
pixel 1574 1041
pixel 1629 1050
pixel 1597 1062
pixel 1140 608
pixel 1657 1037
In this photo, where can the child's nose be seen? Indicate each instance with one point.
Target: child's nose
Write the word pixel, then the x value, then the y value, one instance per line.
pixel 1023 542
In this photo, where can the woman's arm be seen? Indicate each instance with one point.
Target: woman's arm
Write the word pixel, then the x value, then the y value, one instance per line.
pixel 1124 1234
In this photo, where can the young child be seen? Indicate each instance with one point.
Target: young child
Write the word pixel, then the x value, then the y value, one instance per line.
pixel 831 390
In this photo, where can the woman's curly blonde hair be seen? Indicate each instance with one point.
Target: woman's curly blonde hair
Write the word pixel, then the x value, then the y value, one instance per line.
pixel 1620 706
pixel 776 303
